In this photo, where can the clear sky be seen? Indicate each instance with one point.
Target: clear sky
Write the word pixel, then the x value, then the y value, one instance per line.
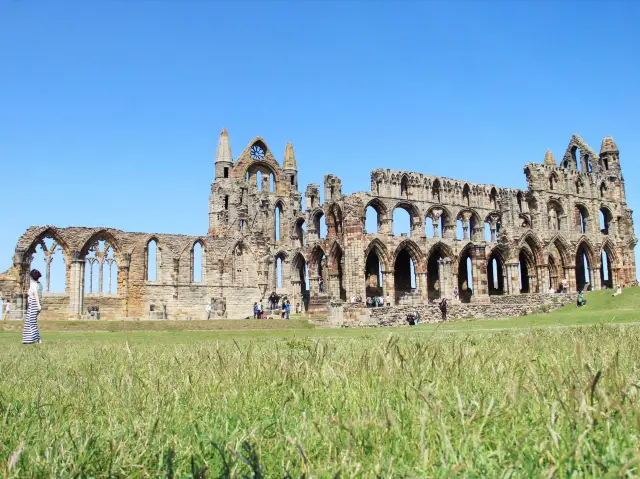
pixel 110 111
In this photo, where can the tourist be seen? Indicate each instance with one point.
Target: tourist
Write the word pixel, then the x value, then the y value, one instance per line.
pixel 7 310
pixel 287 308
pixel 411 319
pixel 455 293
pixel 380 302
pixel 369 301
pixel 388 299
pixel 256 311
pixel 261 310
pixel 617 293
pixel 443 308
pixel 581 301
pixel 417 316
pixel 321 284
pixel 207 309
pixel 30 334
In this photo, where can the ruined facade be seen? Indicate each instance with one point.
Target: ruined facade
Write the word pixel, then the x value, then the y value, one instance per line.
pixel 572 225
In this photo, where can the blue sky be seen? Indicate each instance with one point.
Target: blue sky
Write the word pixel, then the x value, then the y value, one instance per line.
pixel 110 111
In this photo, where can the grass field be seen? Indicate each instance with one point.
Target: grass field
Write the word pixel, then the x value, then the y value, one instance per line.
pixel 515 397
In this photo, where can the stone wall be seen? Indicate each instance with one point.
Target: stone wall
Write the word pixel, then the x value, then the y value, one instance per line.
pixel 356 316
pixel 511 242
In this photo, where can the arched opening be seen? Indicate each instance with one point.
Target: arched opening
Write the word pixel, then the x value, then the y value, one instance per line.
pixel 459 229
pixel 583 268
pixel 374 281
pixel 576 156
pixel 48 258
pixel 102 266
pixel 335 220
pixel 552 181
pixel 372 220
pixel 300 279
pixel 152 260
pixel 320 224
pixel 277 217
pixel 259 180
pixel 279 262
pixel 300 231
pixel 606 271
pixel 587 163
pixel 226 202
pixel 581 215
pixel 605 220
pixel 243 269
pixel 465 276
pixel 579 186
pixel 603 189
pixel 402 221
pixel 552 283
pixel 520 201
pixel 272 183
pixel 466 195
pixel 526 269
pixel 335 271
pixel 404 274
pixel 605 162
pixel 404 188
pixel 435 192
pixel 488 237
pixel 429 229
pixel 495 273
pixel 197 253
pixel 433 272
pixel 493 198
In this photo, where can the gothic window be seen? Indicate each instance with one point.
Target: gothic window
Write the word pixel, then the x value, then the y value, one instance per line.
pixel 101 269
pixel 49 259
pixel 197 262
pixel 152 260
pixel 257 152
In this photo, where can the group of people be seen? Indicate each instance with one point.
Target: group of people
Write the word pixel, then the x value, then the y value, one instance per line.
pixel 285 307
pixel 378 301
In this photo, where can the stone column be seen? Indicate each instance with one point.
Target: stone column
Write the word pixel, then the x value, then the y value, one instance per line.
pixel 388 287
pixel 479 274
pixel 570 275
pixel 47 261
pixel 422 286
pixel 512 284
pixel 543 277
pixel 465 225
pixel 445 278
pixel 435 217
pixel 333 286
pixel 76 288
pixel 595 279
pixel 100 278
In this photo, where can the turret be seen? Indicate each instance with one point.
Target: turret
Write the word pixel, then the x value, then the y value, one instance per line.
pixel 289 166
pixel 549 160
pixel 609 156
pixel 224 159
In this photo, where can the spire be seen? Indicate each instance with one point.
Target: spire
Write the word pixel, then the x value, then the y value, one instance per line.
pixel 608 146
pixel 289 158
pixel 549 160
pixel 223 154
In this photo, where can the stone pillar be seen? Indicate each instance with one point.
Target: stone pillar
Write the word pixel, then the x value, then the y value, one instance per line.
pixel 100 278
pixel 479 274
pixel 512 284
pixel 570 275
pixel 422 286
pixel 543 278
pixel 76 289
pixel 47 261
pixel 595 279
pixel 446 278
pixel 388 287
pixel 333 286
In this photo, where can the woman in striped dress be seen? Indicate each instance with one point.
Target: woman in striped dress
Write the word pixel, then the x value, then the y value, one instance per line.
pixel 30 334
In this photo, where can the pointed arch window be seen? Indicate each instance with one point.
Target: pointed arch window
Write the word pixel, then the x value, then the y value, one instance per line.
pixel 152 260
pixel 197 262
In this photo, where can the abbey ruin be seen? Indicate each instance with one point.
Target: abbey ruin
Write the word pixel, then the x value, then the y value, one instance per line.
pixel 571 227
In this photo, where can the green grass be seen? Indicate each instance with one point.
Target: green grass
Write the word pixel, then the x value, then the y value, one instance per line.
pixel 430 401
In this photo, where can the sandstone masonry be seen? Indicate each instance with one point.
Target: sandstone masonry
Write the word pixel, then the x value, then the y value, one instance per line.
pixel 572 226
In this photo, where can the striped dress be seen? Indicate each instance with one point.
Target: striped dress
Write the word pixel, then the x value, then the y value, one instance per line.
pixel 30 333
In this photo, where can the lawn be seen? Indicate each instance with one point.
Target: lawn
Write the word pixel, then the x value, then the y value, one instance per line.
pixel 435 400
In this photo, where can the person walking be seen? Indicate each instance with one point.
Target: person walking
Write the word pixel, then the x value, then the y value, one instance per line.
pixel 207 310
pixel 388 299
pixel 30 333
pixel 261 310
pixel 287 308
pixel 7 310
pixel 256 311
pixel 443 308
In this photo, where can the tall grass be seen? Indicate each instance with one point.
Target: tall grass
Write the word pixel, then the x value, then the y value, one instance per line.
pixel 533 403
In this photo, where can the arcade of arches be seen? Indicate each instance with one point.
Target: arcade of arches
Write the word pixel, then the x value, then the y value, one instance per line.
pixel 411 239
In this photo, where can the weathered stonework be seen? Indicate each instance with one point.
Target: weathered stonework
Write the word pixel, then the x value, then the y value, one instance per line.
pixel 533 241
